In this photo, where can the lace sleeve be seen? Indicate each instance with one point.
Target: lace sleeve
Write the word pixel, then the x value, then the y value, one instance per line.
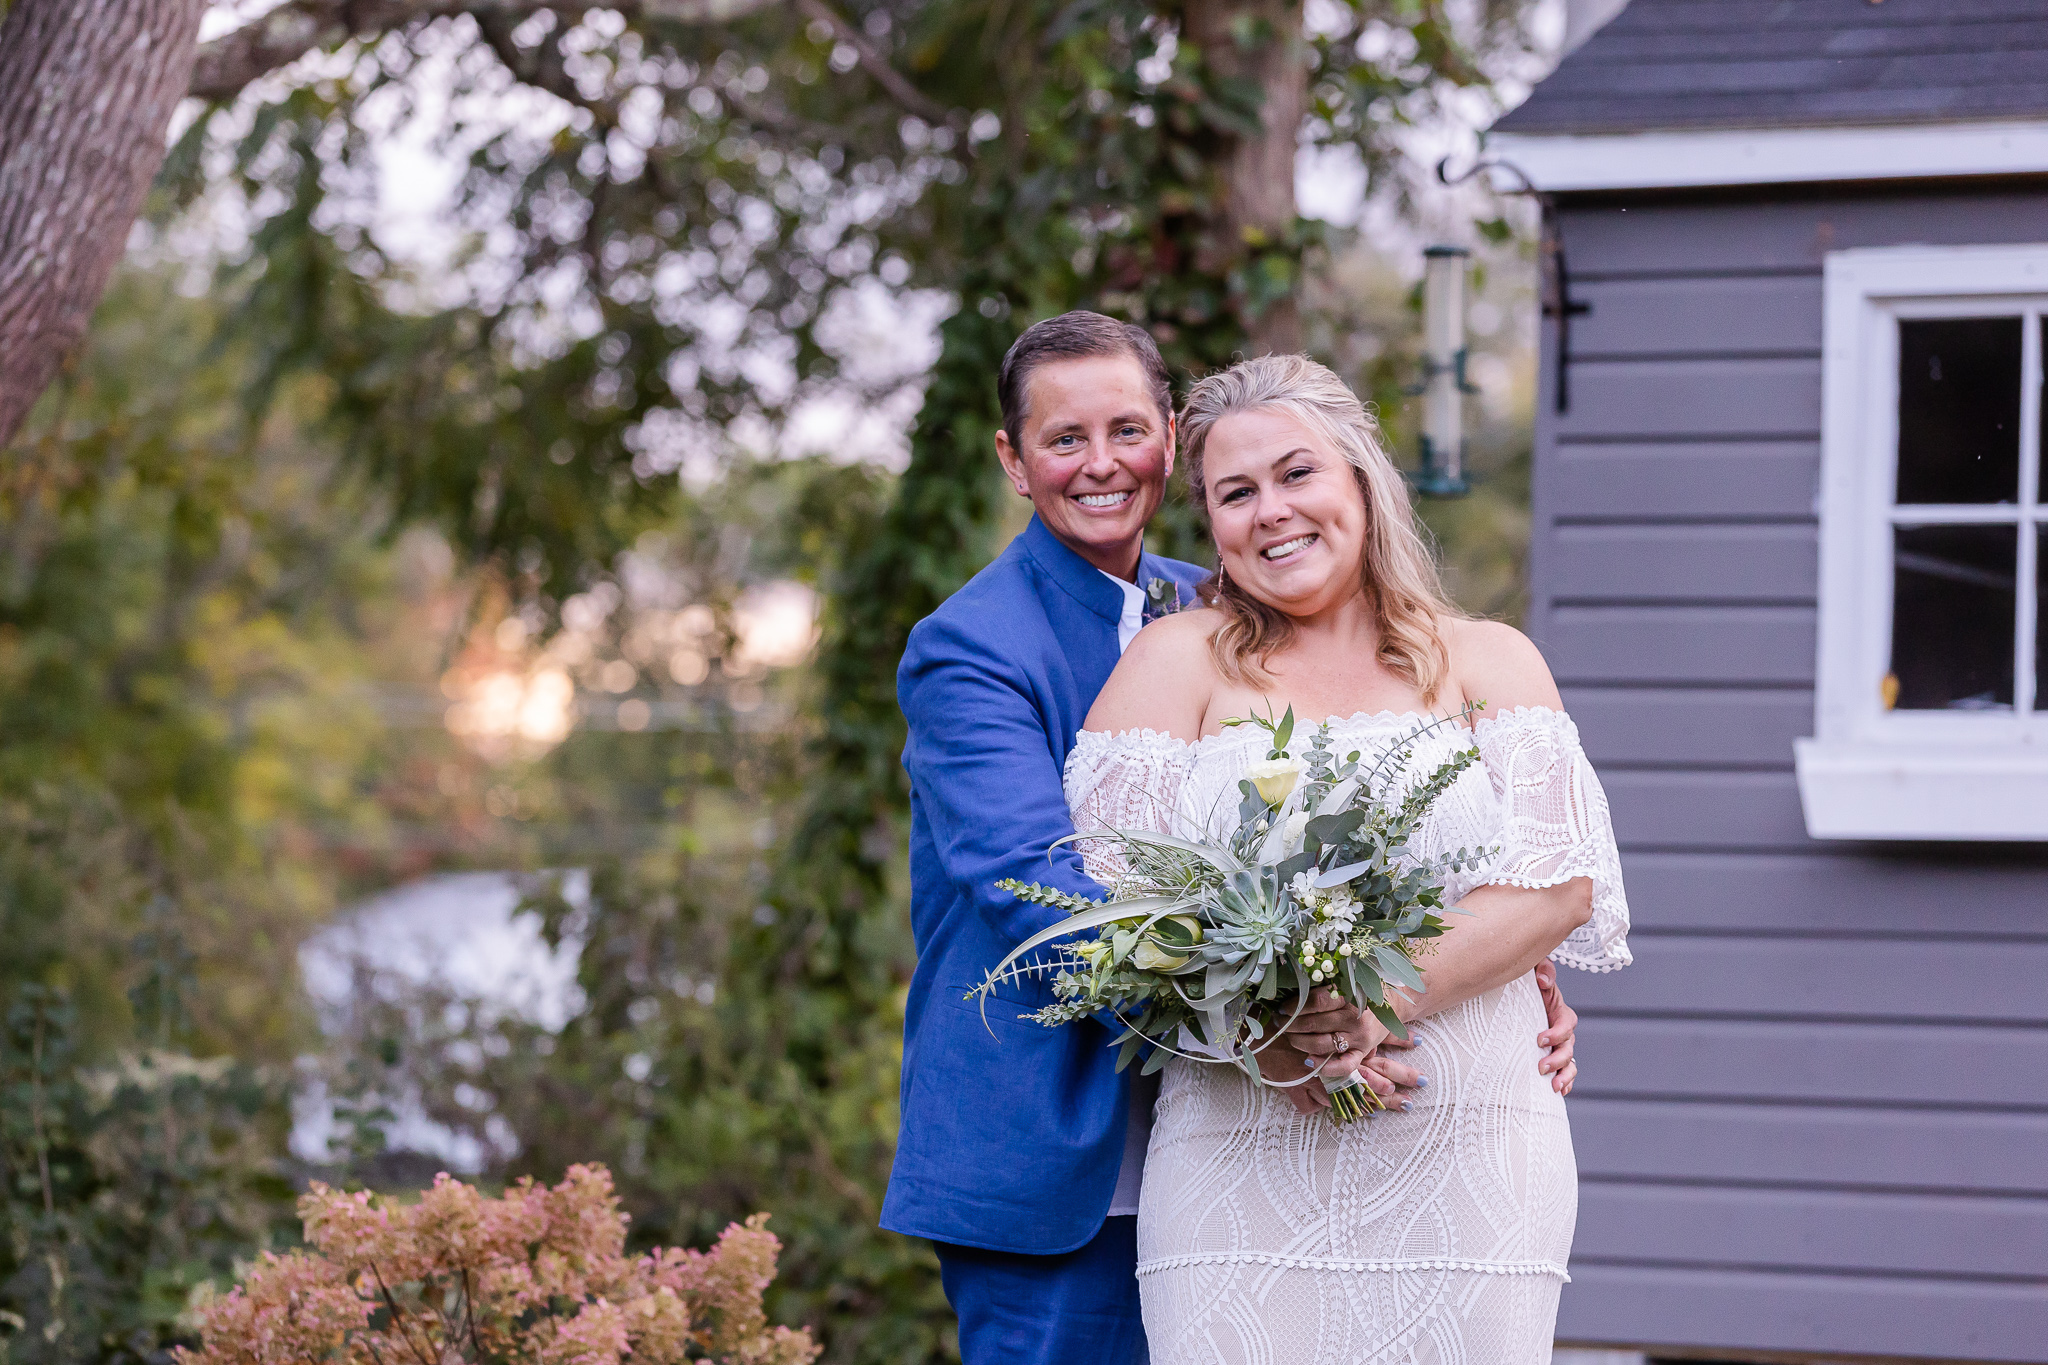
pixel 1126 781
pixel 1556 826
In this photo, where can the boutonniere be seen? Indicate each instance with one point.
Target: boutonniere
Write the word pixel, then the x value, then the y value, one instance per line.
pixel 1162 598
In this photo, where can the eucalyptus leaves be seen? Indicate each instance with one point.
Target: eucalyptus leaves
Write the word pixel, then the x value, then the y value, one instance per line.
pixel 1207 949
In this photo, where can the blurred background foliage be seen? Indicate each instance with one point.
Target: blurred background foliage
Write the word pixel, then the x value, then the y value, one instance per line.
pixel 570 527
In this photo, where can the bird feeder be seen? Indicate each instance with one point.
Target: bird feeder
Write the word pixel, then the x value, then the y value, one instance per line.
pixel 1443 390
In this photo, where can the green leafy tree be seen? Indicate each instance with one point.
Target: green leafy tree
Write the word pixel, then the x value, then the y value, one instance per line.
pixel 187 741
pixel 649 267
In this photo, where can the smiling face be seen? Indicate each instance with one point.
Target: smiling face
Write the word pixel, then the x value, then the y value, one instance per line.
pixel 1289 517
pixel 1093 455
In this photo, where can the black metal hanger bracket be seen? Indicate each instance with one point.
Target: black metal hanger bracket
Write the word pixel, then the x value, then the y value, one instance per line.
pixel 1554 274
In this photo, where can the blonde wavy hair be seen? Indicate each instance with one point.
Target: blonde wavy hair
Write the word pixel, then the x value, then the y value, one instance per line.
pixel 1398 570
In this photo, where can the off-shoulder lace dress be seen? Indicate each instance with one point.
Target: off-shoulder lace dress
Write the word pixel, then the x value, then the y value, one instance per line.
pixel 1437 1236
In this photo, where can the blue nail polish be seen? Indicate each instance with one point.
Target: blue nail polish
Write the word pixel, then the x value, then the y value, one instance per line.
pixel 1422 1082
pixel 1406 1105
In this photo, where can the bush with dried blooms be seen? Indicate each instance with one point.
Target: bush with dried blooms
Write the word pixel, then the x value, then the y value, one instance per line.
pixel 459 1278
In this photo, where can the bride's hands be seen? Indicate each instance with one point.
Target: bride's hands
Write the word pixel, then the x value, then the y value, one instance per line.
pixel 1278 1061
pixel 1329 1025
pixel 1387 1077
pixel 1344 1040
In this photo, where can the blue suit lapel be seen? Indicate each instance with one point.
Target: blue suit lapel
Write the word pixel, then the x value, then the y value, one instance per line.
pixel 1077 584
pixel 1083 607
pixel 1081 581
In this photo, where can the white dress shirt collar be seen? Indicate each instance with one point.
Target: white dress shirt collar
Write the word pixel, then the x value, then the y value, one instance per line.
pixel 1133 619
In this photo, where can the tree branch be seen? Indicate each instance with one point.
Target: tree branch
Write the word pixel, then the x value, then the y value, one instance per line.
pixel 229 63
pixel 876 65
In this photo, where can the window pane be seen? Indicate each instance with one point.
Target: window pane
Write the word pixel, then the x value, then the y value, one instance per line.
pixel 2041 619
pixel 1953 616
pixel 1959 410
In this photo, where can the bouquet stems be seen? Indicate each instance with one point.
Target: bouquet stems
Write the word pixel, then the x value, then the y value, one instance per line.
pixel 1352 1099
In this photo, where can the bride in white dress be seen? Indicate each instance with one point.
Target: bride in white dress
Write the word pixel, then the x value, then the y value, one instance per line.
pixel 1436 1233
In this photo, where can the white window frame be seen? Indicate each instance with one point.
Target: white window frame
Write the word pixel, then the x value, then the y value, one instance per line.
pixel 1869 773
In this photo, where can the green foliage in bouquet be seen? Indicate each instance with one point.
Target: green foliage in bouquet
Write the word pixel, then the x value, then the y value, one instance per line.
pixel 1318 884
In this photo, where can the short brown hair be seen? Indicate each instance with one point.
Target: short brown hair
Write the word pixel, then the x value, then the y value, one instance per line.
pixel 1076 336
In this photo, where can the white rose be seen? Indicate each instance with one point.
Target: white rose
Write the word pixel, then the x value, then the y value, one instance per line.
pixel 1274 778
pixel 1150 957
pixel 1153 956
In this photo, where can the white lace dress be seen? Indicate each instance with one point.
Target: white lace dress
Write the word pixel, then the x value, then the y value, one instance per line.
pixel 1437 1236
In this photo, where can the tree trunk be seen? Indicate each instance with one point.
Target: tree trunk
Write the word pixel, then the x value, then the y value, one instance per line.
pixel 86 93
pixel 1258 172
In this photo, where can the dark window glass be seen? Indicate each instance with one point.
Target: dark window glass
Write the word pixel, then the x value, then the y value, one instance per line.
pixel 1959 410
pixel 1953 617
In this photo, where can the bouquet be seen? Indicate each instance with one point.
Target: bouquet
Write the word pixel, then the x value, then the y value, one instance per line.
pixel 1215 944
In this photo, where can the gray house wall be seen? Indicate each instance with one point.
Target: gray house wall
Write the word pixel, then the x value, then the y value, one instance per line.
pixel 1814 1114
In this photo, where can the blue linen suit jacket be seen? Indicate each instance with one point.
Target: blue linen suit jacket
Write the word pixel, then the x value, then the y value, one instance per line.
pixel 1012 1132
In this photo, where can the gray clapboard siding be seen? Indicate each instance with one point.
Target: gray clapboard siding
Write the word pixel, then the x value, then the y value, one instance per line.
pixel 1685 481
pixel 1835 1315
pixel 1896 979
pixel 1767 563
pixel 1689 726
pixel 1823 1147
pixel 1725 399
pixel 1824 890
pixel 1814 1114
pixel 1802 1062
pixel 1717 315
pixel 1757 645
pixel 1718 810
pixel 1781 228
pixel 1994 1237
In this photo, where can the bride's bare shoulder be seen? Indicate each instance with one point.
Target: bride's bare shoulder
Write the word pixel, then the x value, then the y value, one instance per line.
pixel 1493 662
pixel 1164 680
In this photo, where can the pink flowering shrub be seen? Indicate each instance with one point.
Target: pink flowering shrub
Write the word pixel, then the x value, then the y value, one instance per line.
pixel 458 1278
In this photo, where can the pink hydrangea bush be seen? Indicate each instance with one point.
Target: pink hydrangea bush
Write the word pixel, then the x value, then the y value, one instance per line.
pixel 459 1278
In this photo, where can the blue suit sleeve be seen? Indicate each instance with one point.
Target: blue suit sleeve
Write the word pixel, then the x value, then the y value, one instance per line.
pixel 980 762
